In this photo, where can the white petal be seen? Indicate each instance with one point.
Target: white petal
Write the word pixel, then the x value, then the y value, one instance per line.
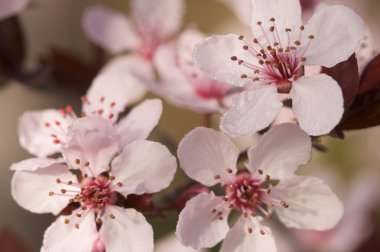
pixel 197 226
pixel 33 164
pixel 317 103
pixel 312 204
pixel 140 121
pixel 158 19
pixel 93 140
pixel 30 189
pixel 280 151
pixel 11 7
pixel 337 31
pixel 287 14
pixel 172 243
pixel 110 93
pixel 205 153
pixel 213 57
pixel 128 232
pixel 35 137
pixel 61 237
pixel 239 239
pixel 109 29
pixel 252 111
pixel 144 167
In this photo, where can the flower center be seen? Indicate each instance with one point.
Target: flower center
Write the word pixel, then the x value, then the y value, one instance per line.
pixel 278 56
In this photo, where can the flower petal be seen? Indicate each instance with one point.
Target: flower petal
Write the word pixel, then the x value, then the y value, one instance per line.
pixel 205 154
pixel 312 204
pixel 109 29
pixel 239 239
pixel 281 151
pixel 10 8
pixel 34 134
pixel 252 111
pixel 172 243
pixel 137 233
pixel 33 164
pixel 109 95
pixel 213 57
pixel 197 226
pixel 144 167
pixel 140 121
pixel 30 189
pixel 93 140
pixel 337 31
pixel 158 19
pixel 317 103
pixel 287 14
pixel 65 237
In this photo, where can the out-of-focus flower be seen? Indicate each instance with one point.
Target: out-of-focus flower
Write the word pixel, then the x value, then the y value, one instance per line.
pixel 275 61
pixel 172 244
pixel 182 83
pixel 9 8
pixel 43 132
pixel 268 184
pixel 91 149
pixel 151 24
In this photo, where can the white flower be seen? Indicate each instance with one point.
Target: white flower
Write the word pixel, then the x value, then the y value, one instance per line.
pixel 43 185
pixel 268 185
pixel 274 61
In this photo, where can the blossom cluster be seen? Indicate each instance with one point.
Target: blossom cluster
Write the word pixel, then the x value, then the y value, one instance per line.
pixel 86 165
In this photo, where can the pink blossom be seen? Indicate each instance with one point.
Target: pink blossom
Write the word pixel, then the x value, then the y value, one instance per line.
pixel 268 185
pixel 43 132
pixel 9 8
pixel 150 24
pixel 274 62
pixel 107 169
pixel 181 82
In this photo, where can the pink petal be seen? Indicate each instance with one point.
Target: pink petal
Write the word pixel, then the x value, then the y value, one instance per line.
pixel 65 237
pixel 144 167
pixel 239 239
pixel 312 204
pixel 197 226
pixel 172 243
pixel 337 31
pixel 281 151
pixel 33 164
pixel 252 111
pixel 30 189
pixel 140 121
pixel 317 103
pixel 158 19
pixel 109 29
pixel 36 137
pixel 128 231
pixel 92 144
pixel 205 154
pixel 213 57
pixel 11 7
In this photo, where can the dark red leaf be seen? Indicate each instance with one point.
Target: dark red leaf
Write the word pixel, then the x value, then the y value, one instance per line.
pixel 347 75
pixel 370 79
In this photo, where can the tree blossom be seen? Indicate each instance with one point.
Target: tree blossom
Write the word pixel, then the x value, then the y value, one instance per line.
pixel 9 8
pixel 150 24
pixel 43 132
pixel 268 184
pixel 171 243
pixel 43 185
pixel 182 83
pixel 274 61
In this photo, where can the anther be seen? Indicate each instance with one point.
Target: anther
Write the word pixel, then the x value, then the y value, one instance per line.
pixel 262 232
pixel 63 191
pixel 284 205
pixel 99 221
pixel 87 164
pixel 111 216
pixel 267 178
pixel 271 29
pixel 229 170
pixel 78 215
pixel 216 177
pixel 111 178
pixel 77 161
pixel 311 37
pixel 288 30
pixel 113 104
pixel 66 221
pixel 47 125
pixel 245 47
pixel 241 37
pixel 272 19
pixel 57 141
pixel 297 43
pixel 259 23
pixel 119 184
pixel 51 193
pixel 234 58
pixel 243 76
pixel 260 172
pixel 77 226
pixel 58 181
pixel 302 28
pixel 250 230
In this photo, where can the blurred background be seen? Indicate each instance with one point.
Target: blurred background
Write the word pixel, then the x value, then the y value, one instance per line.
pixel 52 32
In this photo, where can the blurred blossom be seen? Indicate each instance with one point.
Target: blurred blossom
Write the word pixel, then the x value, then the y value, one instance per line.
pixel 171 243
pixel 43 185
pixel 150 24
pixel 10 8
pixel 302 202
pixel 366 51
pixel 275 62
pixel 182 83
